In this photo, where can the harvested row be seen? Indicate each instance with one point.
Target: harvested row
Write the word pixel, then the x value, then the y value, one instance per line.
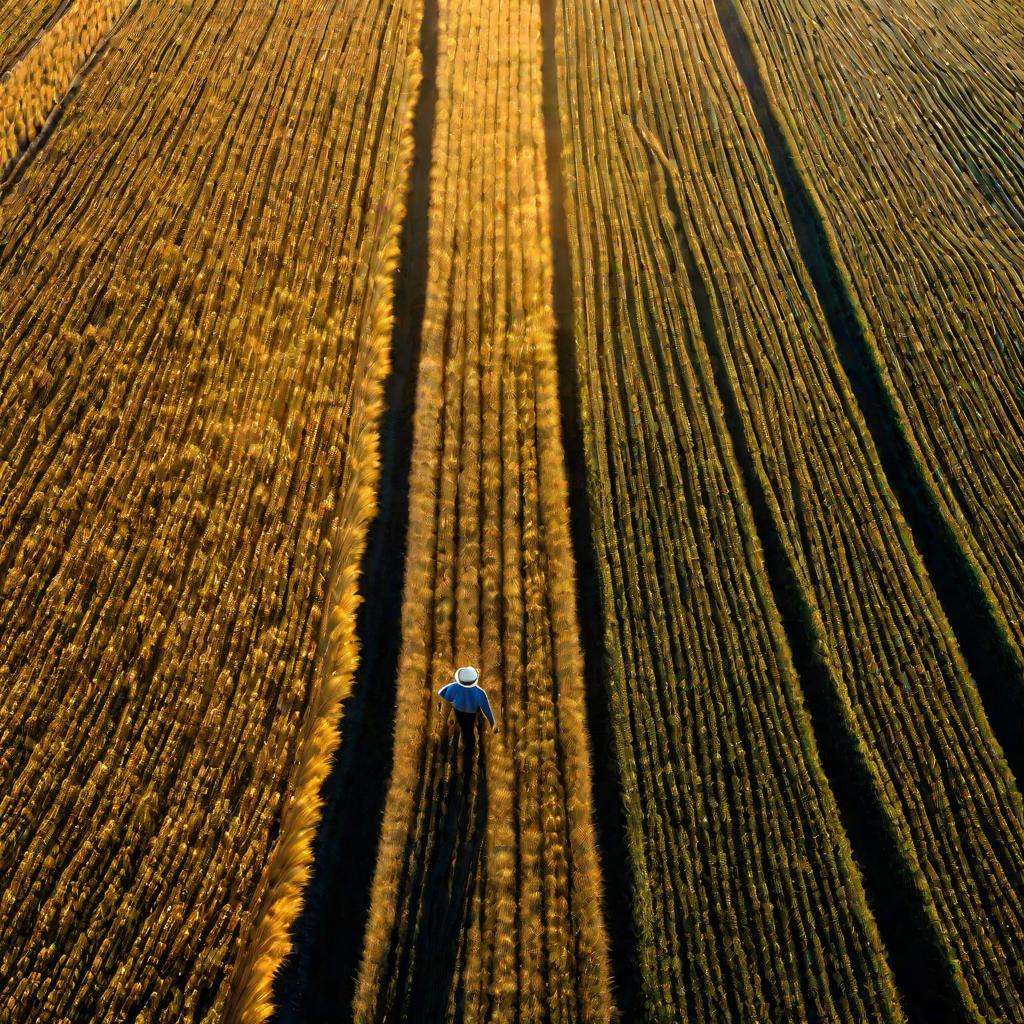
pixel 906 124
pixel 193 337
pixel 29 93
pixel 747 902
pixel 486 894
pixel 21 23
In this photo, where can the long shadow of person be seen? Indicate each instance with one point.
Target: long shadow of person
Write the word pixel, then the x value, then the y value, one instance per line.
pixel 457 859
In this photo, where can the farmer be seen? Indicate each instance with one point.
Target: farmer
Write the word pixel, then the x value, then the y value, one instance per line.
pixel 467 697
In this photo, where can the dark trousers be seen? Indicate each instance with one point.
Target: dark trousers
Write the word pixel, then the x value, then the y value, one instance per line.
pixel 467 725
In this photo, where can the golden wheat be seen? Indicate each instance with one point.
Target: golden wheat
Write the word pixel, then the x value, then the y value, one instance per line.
pixel 194 329
pixel 498 874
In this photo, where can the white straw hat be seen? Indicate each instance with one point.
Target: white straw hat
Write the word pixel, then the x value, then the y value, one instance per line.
pixel 467 675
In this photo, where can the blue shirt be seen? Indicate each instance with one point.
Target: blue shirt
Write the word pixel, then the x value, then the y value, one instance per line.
pixel 467 698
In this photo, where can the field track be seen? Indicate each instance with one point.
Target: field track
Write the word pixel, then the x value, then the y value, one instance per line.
pixel 317 982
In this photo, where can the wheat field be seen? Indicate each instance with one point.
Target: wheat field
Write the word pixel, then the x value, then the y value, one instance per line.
pixel 664 361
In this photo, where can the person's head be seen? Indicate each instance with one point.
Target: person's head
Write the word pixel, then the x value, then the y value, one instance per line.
pixel 467 676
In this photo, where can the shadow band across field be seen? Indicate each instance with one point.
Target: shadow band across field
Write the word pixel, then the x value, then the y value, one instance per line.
pixel 441 884
pixel 996 668
pixel 317 981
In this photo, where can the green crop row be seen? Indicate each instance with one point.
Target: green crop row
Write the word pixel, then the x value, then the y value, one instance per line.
pixel 907 125
pixel 676 138
pixel 747 902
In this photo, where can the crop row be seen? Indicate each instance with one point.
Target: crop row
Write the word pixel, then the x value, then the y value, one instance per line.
pixel 486 895
pixel 905 693
pixel 747 901
pixel 907 123
pixel 696 161
pixel 194 289
pixel 44 74
pixel 21 24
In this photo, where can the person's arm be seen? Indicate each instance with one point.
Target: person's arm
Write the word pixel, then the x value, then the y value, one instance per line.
pixel 442 692
pixel 485 707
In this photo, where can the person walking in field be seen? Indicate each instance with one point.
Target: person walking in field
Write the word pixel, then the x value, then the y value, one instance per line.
pixel 465 694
